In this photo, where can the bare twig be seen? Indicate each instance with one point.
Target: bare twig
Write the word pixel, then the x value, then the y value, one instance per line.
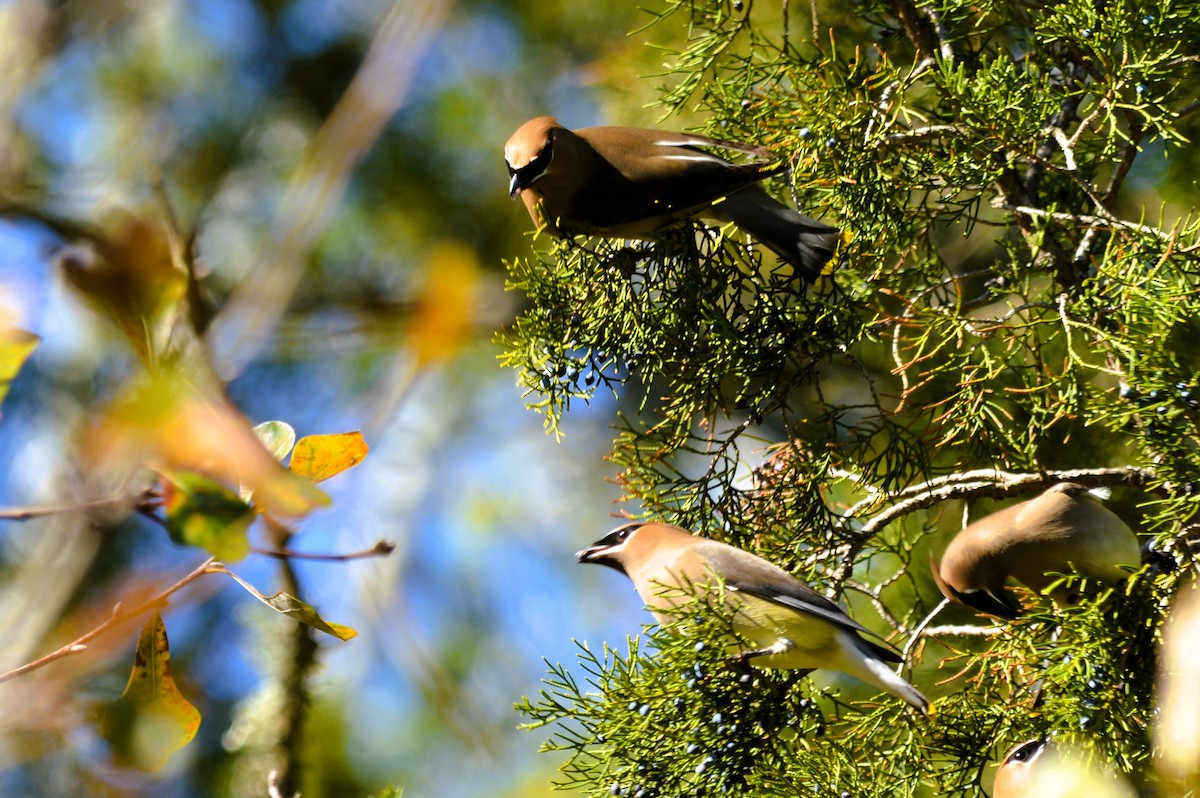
pixel 381 548
pixel 119 615
pixel 37 511
pixel 1106 220
pixel 918 29
pixel 963 630
pixel 921 627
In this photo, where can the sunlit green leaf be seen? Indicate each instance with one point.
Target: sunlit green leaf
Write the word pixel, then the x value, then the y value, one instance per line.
pixel 296 609
pixel 277 436
pixel 204 513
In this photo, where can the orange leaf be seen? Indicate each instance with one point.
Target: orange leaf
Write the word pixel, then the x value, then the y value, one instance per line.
pixel 173 422
pixel 445 312
pixel 319 457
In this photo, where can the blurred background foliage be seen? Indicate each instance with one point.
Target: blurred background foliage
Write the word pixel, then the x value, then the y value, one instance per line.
pixel 213 126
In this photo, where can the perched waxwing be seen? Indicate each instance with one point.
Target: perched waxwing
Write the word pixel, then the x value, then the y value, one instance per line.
pixel 1014 779
pixel 1065 529
pixel 792 625
pixel 1037 769
pixel 625 182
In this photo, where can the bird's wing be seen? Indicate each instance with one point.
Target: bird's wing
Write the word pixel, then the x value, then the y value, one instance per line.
pixel 694 141
pixel 747 573
pixel 675 170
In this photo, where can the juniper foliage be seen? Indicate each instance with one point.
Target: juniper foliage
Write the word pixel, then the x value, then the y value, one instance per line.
pixel 1017 302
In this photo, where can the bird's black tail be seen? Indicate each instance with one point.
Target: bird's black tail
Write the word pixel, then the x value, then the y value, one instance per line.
pixel 808 245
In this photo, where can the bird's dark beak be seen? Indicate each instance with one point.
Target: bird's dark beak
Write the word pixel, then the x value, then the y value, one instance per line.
pixel 599 554
pixel 514 185
pixel 591 553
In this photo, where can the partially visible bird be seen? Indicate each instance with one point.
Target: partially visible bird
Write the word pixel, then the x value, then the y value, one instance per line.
pixel 1177 728
pixel 624 182
pixel 1039 769
pixel 1015 778
pixel 792 625
pixel 1065 529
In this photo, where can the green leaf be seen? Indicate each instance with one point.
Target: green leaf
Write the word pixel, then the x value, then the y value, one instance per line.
pixel 277 436
pixel 15 348
pixel 297 610
pixel 319 457
pixel 204 513
pixel 151 720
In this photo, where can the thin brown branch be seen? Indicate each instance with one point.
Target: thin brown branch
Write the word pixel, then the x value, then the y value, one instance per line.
pixel 918 29
pixel 66 228
pixel 381 548
pixel 119 616
pixel 1087 219
pixel 1132 148
pixel 38 511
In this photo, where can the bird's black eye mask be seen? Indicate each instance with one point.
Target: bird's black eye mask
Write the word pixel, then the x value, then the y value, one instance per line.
pixel 598 552
pixel 1027 751
pixel 616 537
pixel 527 174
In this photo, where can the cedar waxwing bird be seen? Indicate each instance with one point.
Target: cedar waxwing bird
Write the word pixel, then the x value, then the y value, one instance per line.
pixel 1038 769
pixel 1014 779
pixel 625 182
pixel 1064 529
pixel 792 625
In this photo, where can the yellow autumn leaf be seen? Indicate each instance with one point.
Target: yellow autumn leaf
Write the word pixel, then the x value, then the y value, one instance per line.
pixel 444 318
pixel 16 346
pixel 151 720
pixel 319 457
pixel 297 610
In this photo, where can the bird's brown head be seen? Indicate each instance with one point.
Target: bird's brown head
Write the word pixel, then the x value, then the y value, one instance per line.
pixel 637 547
pixel 529 151
pixel 960 578
pixel 1014 779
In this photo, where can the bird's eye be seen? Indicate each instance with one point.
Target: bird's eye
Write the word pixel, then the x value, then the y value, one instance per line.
pixel 623 534
pixel 1026 752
